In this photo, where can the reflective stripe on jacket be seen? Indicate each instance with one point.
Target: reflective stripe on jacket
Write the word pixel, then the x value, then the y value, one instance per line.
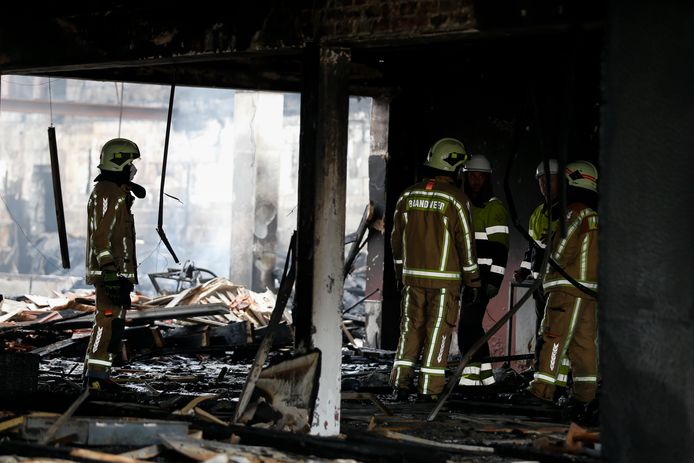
pixel 490 223
pixel 110 232
pixel 577 254
pixel 432 237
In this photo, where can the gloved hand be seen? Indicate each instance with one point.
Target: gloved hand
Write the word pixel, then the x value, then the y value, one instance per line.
pixel 111 284
pixel 399 286
pixel 491 290
pixel 474 295
pixel 521 274
pixel 117 287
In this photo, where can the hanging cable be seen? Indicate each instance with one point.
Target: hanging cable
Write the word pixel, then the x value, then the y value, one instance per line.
pixel 122 95
pixel 50 100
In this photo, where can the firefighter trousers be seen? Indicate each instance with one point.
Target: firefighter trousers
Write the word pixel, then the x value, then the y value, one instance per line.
pixel 569 332
pixel 109 325
pixel 428 317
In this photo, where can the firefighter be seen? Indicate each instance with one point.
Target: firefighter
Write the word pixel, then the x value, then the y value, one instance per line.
pixel 111 262
pixel 569 327
pixel 490 223
pixel 537 229
pixel 434 253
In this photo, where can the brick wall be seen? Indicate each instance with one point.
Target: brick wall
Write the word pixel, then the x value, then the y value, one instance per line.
pixel 360 19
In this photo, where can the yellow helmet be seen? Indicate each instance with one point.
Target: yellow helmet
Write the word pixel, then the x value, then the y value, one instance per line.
pixel 582 174
pixel 447 154
pixel 118 153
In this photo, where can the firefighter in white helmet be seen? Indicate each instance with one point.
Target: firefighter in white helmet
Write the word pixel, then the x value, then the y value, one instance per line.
pixel 539 229
pixel 569 328
pixel 434 254
pixel 111 261
pixel 490 223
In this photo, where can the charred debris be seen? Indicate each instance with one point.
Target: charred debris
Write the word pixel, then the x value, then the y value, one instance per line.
pixel 209 374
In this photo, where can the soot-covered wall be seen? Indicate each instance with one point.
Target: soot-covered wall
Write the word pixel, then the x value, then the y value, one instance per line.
pixel 646 311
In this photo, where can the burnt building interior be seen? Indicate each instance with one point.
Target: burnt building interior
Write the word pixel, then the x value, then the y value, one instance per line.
pixel 518 81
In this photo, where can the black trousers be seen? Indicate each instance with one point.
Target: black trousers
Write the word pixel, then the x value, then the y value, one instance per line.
pixel 470 328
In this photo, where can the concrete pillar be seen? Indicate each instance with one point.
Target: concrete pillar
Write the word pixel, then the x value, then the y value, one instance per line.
pixel 376 246
pixel 268 123
pixel 646 311
pixel 244 189
pixel 257 121
pixel 322 195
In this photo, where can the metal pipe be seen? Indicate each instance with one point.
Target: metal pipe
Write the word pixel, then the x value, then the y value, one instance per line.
pixel 58 197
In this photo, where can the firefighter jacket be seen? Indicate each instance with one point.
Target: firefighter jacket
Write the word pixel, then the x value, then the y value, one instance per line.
pixel 577 253
pixel 432 237
pixel 110 232
pixel 490 223
pixel 537 229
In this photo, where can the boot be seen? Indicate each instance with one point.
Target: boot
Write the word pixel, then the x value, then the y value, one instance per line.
pixel 584 414
pixel 101 385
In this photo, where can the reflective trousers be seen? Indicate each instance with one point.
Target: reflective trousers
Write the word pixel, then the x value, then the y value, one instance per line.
pixel 427 323
pixel 107 333
pixel 569 332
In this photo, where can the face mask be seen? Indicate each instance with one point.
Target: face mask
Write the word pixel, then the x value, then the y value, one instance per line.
pixel 133 171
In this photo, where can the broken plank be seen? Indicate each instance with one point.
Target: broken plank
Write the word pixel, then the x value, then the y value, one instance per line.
pixel 144 453
pixel 188 448
pixel 205 321
pixel 11 423
pixel 194 403
pixel 58 346
pixel 101 456
pixel 207 416
pixel 64 417
pixel 367 396
pixel 181 311
pixel 420 440
pixel 136 317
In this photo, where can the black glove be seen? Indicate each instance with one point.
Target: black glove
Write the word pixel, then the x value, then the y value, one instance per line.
pixel 472 295
pixel 521 274
pixel 117 288
pixel 491 290
pixel 399 286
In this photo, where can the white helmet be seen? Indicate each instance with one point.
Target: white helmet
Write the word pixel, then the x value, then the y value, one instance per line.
pixel 446 154
pixel 478 163
pixel 553 168
pixel 118 153
pixel 582 174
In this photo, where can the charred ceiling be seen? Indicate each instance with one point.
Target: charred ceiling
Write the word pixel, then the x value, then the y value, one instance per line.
pixel 260 45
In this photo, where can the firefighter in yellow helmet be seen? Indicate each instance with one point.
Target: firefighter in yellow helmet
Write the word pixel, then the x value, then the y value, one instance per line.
pixel 111 262
pixel 434 254
pixel 569 327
